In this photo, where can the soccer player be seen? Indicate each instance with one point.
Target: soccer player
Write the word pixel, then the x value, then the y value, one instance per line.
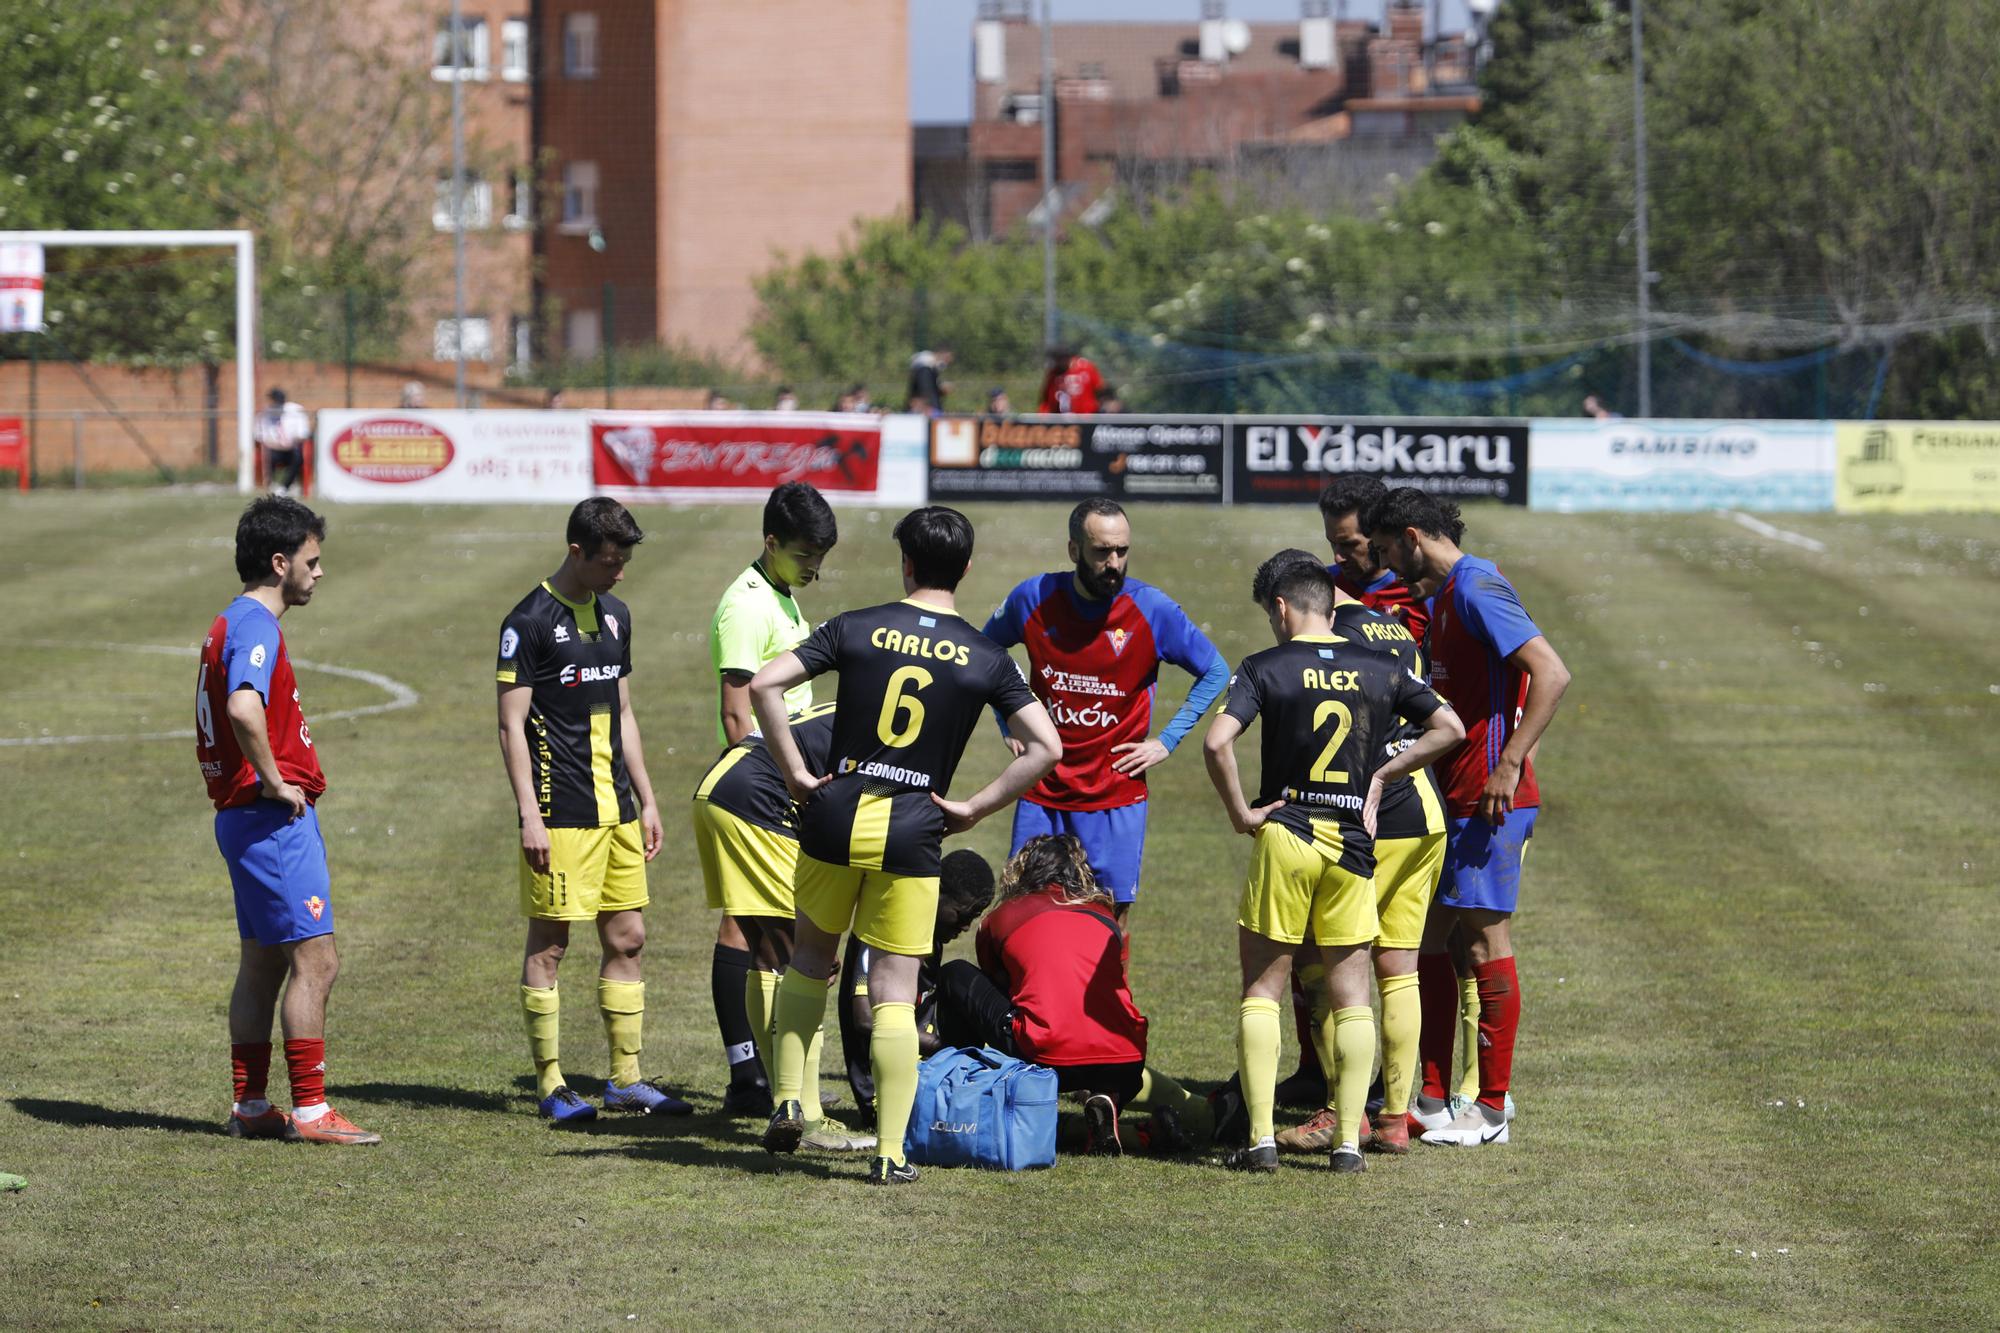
pixel 746 836
pixel 589 822
pixel 756 620
pixel 1490 661
pixel 913 677
pixel 1329 705
pixel 257 757
pixel 1095 639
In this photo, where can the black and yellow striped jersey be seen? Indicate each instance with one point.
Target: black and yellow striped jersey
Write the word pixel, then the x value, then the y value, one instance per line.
pixel 745 781
pixel 572 654
pixel 1329 705
pixel 913 681
pixel 1411 807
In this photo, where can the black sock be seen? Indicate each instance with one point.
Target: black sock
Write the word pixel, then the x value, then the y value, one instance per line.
pixel 726 976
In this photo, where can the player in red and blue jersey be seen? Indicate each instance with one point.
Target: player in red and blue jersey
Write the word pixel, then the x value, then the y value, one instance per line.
pixel 1495 667
pixel 257 758
pixel 1095 640
pixel 1356 571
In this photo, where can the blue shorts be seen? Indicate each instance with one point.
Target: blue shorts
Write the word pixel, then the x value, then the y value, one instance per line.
pixel 1482 864
pixel 1114 840
pixel 277 866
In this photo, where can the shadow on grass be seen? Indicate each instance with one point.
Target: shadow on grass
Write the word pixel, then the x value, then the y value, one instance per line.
pixel 426 1097
pixel 86 1115
pixel 747 1157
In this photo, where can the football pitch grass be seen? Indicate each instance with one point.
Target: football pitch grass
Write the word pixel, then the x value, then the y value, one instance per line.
pixel 1757 1068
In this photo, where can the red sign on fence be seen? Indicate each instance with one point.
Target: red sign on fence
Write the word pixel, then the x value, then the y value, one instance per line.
pixel 711 453
pixel 14 449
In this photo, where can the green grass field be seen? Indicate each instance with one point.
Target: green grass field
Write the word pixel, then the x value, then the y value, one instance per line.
pixel 1760 1037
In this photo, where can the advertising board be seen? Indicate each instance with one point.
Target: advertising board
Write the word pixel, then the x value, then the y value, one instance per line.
pixel 1773 466
pixel 720 457
pixel 1075 458
pixel 1286 460
pixel 417 457
pixel 1917 466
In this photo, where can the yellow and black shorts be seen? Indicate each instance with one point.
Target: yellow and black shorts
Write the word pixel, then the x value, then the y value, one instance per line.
pixel 894 913
pixel 746 869
pixel 1296 889
pixel 591 871
pixel 1406 875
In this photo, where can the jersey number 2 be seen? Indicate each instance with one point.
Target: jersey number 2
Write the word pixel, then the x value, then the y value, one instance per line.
pixel 1321 772
pixel 901 699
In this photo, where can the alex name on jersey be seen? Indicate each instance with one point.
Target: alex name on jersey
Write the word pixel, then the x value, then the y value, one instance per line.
pixel 572 655
pixel 745 781
pixel 1329 707
pixel 913 681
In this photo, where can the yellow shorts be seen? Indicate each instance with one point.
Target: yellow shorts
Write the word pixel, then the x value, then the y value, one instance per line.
pixel 747 869
pixel 894 913
pixel 591 870
pixel 1406 875
pixel 1295 889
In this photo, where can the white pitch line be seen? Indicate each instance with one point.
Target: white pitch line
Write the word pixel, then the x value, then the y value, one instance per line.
pixel 400 695
pixel 1776 534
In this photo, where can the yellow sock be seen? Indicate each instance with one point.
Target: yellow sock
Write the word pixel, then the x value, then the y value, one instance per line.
pixel 892 1051
pixel 1468 1036
pixel 760 1001
pixel 1402 1024
pixel 1157 1090
pixel 1326 1040
pixel 1313 977
pixel 801 1008
pixel 543 1009
pixel 1257 1063
pixel 1354 1039
pixel 809 1080
pixel 623 1004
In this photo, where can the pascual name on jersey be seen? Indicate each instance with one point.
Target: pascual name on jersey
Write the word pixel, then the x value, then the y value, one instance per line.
pixel 573 675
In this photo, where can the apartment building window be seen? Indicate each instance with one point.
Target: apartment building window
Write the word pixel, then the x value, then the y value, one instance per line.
pixel 477 202
pixel 461 49
pixel 520 201
pixel 477 333
pixel 580 46
pixel 579 209
pixel 514 50
pixel 521 330
pixel 583 333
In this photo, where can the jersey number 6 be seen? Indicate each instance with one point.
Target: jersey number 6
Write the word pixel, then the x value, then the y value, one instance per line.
pixel 902 698
pixel 1320 771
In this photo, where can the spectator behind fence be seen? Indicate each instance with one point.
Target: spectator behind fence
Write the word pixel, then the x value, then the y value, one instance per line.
pixel 283 429
pixel 413 394
pixel 997 403
pixel 556 401
pixel 787 401
pixel 1593 406
pixel 928 386
pixel 1072 383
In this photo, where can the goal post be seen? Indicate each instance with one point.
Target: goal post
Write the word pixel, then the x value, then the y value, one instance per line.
pixel 246 308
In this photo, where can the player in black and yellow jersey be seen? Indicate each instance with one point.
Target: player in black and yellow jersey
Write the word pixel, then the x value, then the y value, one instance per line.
pixel 746 833
pixel 1329 705
pixel 589 822
pixel 1409 854
pixel 913 680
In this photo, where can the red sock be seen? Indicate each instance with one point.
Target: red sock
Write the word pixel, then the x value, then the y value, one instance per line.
pixel 1437 993
pixel 1499 1019
pixel 250 1063
pixel 307 1060
pixel 1302 1023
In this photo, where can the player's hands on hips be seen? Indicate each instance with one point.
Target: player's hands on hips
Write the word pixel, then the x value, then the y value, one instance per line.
pixel 1371 808
pixel 1135 757
pixel 958 815
pixel 1496 802
pixel 1014 747
pixel 535 843
pixel 1253 819
pixel 655 832
pixel 804 785
pixel 295 797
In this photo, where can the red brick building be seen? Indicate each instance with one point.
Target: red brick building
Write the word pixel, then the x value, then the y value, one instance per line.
pixel 1141 105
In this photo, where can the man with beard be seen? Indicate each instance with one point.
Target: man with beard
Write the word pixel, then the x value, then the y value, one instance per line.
pixel 1095 642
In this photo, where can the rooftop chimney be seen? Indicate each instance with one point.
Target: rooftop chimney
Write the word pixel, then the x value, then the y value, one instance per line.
pixel 989 44
pixel 1214 48
pixel 1316 47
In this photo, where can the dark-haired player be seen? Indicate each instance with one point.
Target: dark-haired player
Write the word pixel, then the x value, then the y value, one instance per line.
pixel 1492 663
pixel 1329 705
pixel 1095 641
pixel 756 619
pixel 913 679
pixel 746 835
pixel 257 757
pixel 589 822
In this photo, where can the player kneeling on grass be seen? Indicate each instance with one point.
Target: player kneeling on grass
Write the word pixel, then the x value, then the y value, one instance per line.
pixel 589 822
pixel 1050 988
pixel 746 834
pixel 263 774
pixel 1328 705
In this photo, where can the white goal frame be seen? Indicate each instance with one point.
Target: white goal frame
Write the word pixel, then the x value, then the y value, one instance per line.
pixel 246 309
